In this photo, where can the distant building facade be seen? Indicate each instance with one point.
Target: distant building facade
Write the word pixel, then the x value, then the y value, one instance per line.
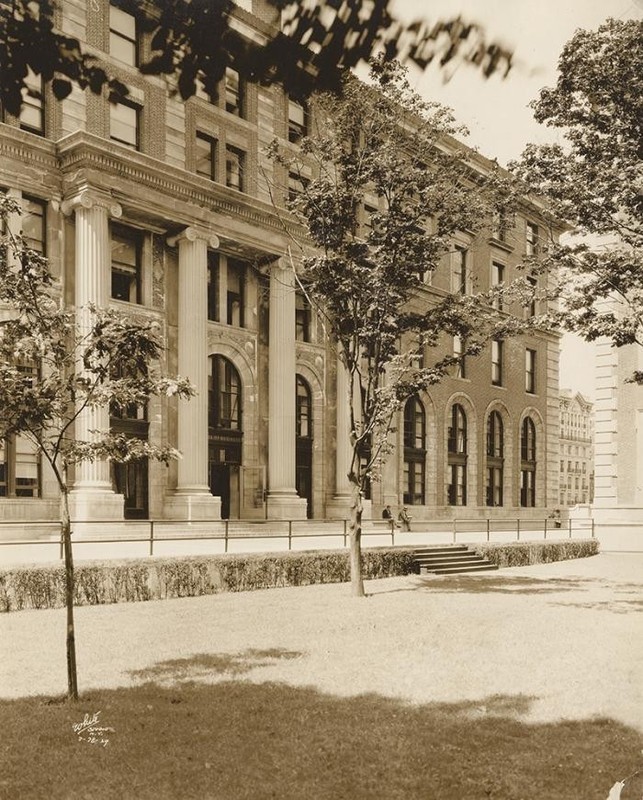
pixel 576 449
pixel 162 208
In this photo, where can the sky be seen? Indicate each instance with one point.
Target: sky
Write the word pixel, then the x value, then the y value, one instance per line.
pixel 496 111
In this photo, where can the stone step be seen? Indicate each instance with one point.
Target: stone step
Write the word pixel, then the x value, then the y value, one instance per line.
pixel 452 570
pixel 450 560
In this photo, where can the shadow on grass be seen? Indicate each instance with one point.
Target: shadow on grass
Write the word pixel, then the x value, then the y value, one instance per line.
pixel 614 606
pixel 236 740
pixel 212 664
pixel 510 584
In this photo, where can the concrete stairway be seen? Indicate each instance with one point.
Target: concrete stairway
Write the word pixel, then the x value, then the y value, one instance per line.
pixel 450 559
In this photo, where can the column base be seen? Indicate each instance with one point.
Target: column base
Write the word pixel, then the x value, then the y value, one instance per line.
pixel 340 508
pixel 192 507
pixel 286 506
pixel 86 505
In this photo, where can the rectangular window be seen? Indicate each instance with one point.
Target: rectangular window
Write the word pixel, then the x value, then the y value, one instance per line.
pixel 531 239
pixel 530 371
pixel 297 120
pixel 533 285
pixel 126 264
pixel 459 271
pixel 202 93
pixel 234 93
pixel 296 185
pixel 497 279
pixel 236 274
pixel 234 168
pixel 302 318
pixel 19 468
pixel 213 286
pixel 458 352
pixel 124 123
pixel 499 225
pixel 206 156
pixel 34 223
pixel 457 488
pixel 494 486
pixel 528 488
pixel 497 353
pixel 32 112
pixel 123 43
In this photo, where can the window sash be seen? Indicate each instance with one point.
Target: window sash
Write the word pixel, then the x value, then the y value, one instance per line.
pixel 496 362
pixel 32 111
pixel 126 265
pixel 123 39
pixel 235 162
pixel 297 120
pixel 124 124
pixel 206 156
pixel 34 214
pixel 234 94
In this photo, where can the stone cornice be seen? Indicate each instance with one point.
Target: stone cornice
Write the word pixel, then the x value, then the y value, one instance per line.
pixel 25 147
pixel 170 184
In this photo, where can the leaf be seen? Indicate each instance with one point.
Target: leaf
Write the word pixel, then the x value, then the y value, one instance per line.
pixel 61 88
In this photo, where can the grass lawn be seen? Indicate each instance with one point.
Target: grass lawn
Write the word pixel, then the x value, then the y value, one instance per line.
pixel 524 684
pixel 235 740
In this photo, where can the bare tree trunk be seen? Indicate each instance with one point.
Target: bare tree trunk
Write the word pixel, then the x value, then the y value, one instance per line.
pixel 72 679
pixel 357 581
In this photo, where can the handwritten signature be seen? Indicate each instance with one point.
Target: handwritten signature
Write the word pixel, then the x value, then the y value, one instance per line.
pixel 91 731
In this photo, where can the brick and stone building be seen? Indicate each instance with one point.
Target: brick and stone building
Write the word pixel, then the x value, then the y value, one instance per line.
pixel 576 449
pixel 160 208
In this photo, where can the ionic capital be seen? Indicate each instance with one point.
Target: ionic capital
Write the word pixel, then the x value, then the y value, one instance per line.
pixel 193 233
pixel 91 198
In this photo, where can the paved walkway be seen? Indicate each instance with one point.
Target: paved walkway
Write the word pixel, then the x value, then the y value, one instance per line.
pixel 547 642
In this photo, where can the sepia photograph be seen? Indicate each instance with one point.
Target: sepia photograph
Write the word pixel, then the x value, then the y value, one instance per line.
pixel 321 399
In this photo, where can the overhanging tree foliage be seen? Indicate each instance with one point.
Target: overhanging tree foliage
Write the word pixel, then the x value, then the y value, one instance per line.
pixel 594 180
pixel 54 369
pixel 382 189
pixel 194 38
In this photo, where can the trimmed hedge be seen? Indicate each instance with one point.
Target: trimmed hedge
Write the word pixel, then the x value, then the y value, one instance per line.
pixel 100 582
pixel 524 554
pixel 133 580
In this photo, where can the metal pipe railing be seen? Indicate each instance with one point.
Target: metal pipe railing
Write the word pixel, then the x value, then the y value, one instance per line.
pixel 288 529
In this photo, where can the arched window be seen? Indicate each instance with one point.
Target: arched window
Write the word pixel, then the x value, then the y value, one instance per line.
pixel 457 457
pixel 224 395
pixel 528 463
pixel 304 442
pixel 495 459
pixel 414 452
pixel 304 409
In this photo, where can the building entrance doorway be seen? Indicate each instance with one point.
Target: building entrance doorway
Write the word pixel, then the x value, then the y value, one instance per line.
pixel 224 483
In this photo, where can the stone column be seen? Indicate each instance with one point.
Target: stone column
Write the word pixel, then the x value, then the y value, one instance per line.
pixel 192 498
pixel 283 501
pixel 339 506
pixel 92 496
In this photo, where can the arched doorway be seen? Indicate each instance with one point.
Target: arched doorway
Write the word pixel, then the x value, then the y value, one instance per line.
pixel 225 434
pixel 304 443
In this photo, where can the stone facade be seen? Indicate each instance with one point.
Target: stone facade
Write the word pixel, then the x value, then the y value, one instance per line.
pixel 131 219
pixel 576 449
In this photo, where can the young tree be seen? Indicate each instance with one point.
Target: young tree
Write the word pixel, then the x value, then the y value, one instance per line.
pixel 56 366
pixel 594 180
pixel 382 189
pixel 194 38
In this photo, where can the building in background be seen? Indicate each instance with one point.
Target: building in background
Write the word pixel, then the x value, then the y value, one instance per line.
pixel 576 449
pixel 162 208
pixel 618 496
